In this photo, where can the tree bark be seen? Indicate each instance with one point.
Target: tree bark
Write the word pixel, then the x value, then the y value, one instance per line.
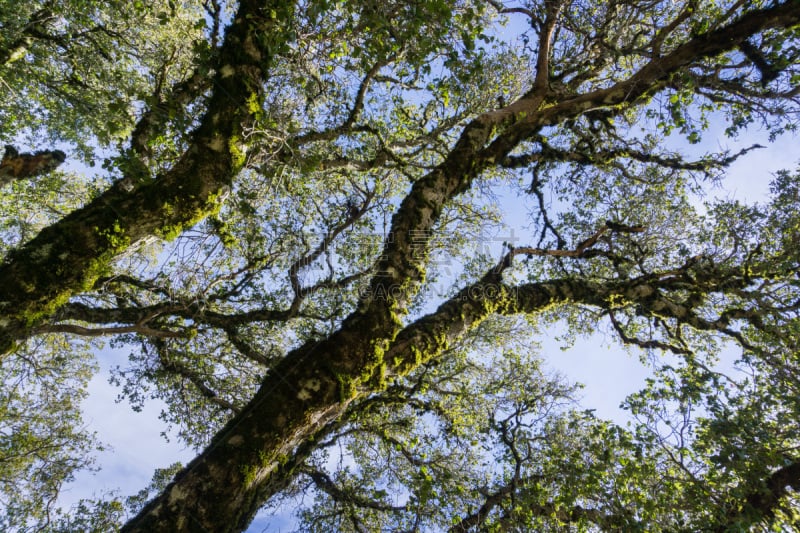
pixel 17 166
pixel 68 256
pixel 223 488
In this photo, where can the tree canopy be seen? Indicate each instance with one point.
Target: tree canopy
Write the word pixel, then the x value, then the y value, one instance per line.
pixel 280 210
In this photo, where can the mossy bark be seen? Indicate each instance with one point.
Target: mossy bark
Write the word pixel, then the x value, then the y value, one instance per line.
pixel 223 488
pixel 67 257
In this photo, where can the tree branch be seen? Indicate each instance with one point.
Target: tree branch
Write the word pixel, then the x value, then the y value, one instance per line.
pixel 323 482
pixel 17 166
pixel 69 255
pixel 762 502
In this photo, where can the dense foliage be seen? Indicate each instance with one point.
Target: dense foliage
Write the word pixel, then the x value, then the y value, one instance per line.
pixel 286 212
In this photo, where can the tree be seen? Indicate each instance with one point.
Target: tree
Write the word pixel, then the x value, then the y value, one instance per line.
pixel 269 234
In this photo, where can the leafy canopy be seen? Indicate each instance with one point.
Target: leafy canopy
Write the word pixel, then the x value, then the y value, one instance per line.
pixel 287 214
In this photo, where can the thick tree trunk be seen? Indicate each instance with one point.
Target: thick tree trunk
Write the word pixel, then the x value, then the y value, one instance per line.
pixel 67 257
pixel 222 489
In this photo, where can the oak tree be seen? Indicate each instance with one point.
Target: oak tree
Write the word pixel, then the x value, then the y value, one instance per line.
pixel 286 232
